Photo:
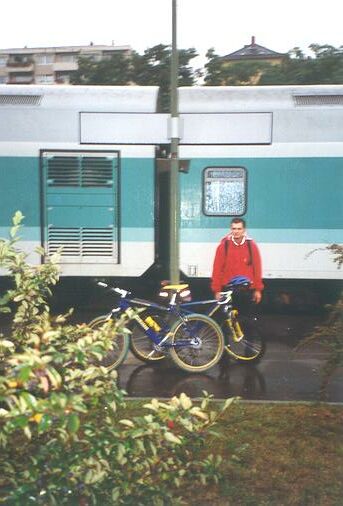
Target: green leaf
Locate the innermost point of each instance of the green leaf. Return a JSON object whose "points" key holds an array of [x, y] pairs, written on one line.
{"points": [[17, 218], [73, 423], [128, 423], [27, 432], [5, 310], [115, 495], [171, 438], [229, 401], [45, 423], [30, 400], [24, 373]]}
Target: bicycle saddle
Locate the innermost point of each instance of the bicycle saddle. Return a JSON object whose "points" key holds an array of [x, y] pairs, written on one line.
{"points": [[177, 288], [181, 291]]}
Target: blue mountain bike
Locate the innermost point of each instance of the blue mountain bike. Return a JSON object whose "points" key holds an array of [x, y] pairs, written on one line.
{"points": [[193, 341], [244, 341]]}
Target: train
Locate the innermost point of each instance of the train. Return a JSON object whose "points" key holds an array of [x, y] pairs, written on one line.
{"points": [[88, 166]]}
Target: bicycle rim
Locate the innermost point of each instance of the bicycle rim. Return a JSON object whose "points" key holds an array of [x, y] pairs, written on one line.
{"points": [[142, 347], [203, 356], [120, 346], [250, 348]]}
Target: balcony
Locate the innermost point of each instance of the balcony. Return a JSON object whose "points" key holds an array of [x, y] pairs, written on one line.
{"points": [[28, 79], [20, 64]]}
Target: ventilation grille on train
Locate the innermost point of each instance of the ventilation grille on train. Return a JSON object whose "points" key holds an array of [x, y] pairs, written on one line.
{"points": [[81, 242], [20, 99], [318, 99], [80, 171]]}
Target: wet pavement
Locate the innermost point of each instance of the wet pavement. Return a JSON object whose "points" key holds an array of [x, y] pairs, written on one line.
{"points": [[282, 375]]}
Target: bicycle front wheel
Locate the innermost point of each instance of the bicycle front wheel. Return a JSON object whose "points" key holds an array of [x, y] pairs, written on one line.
{"points": [[248, 345], [197, 343], [120, 346]]}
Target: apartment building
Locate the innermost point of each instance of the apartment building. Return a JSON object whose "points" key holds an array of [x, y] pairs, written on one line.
{"points": [[49, 65]]}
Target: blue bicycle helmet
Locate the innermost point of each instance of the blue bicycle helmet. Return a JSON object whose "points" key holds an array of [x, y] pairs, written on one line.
{"points": [[239, 281]]}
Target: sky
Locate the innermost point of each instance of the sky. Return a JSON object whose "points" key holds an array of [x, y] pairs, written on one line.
{"points": [[222, 24]]}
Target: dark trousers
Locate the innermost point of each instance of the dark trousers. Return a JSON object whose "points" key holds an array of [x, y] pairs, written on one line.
{"points": [[243, 301]]}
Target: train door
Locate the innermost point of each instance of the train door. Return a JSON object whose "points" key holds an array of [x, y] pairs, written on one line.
{"points": [[80, 208], [163, 223]]}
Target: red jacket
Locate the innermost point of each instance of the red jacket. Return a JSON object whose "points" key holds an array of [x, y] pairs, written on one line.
{"points": [[234, 260]]}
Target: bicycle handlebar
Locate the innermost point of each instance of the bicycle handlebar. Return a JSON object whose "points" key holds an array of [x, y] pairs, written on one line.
{"points": [[123, 293], [227, 296]]}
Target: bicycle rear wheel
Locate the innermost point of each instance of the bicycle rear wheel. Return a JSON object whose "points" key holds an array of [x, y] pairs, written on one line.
{"points": [[197, 343], [120, 346], [250, 346], [142, 347]]}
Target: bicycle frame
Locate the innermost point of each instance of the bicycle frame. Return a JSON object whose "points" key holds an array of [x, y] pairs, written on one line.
{"points": [[226, 305], [130, 307]]}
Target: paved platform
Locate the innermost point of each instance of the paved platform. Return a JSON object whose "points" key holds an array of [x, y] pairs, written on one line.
{"points": [[283, 374]]}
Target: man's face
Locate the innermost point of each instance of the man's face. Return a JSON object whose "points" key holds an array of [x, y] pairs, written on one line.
{"points": [[237, 231]]}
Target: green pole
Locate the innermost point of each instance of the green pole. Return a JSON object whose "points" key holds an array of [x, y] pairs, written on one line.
{"points": [[174, 167]]}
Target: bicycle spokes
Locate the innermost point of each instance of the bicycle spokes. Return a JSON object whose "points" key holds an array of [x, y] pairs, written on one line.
{"points": [[243, 342], [197, 343]]}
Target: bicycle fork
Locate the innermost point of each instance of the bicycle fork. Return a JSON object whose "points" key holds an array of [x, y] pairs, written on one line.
{"points": [[151, 329], [235, 328]]}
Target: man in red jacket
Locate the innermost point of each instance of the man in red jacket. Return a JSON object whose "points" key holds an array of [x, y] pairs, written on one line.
{"points": [[237, 255]]}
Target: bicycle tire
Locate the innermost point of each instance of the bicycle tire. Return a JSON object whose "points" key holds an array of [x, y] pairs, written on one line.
{"points": [[142, 347], [115, 357], [209, 350], [250, 348]]}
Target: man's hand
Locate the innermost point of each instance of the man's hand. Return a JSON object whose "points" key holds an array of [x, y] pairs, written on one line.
{"points": [[218, 295], [257, 296]]}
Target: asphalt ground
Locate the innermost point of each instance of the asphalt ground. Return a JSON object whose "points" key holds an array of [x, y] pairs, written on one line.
{"points": [[282, 375]]}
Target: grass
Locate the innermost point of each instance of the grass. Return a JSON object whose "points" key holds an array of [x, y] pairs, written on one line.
{"points": [[275, 454]]}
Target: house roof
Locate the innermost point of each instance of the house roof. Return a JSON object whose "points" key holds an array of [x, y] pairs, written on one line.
{"points": [[252, 51]]}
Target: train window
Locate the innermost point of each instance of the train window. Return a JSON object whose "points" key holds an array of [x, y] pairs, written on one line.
{"points": [[224, 191]]}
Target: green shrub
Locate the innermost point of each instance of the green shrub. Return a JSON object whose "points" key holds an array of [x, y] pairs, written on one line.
{"points": [[64, 436], [330, 333]]}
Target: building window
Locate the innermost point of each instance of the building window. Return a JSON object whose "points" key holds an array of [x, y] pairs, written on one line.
{"points": [[44, 59], [45, 79], [17, 60], [66, 58], [3, 79], [224, 191], [3, 61]]}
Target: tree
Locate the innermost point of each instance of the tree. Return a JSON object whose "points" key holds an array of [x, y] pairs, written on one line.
{"points": [[324, 66], [213, 69], [152, 68], [117, 70]]}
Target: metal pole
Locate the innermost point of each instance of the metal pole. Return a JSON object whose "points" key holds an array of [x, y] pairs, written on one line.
{"points": [[174, 167]]}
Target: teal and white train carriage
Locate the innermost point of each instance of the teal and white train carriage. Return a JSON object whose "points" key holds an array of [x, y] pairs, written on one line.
{"points": [[273, 155], [81, 165]]}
